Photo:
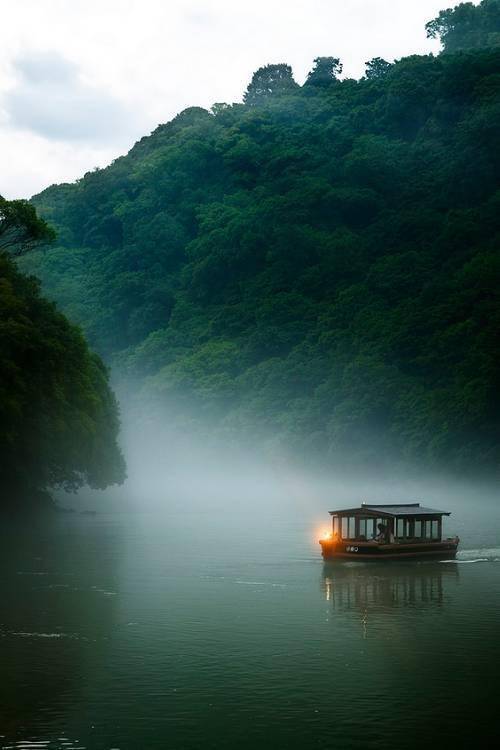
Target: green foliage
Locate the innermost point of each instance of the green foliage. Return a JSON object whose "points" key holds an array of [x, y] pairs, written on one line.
{"points": [[467, 26], [21, 229], [325, 71], [58, 417], [318, 273], [271, 80], [377, 68]]}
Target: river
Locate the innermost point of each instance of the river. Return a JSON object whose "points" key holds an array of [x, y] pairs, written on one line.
{"points": [[222, 628]]}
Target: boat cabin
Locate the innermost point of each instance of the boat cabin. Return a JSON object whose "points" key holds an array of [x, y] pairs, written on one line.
{"points": [[387, 530], [404, 522]]}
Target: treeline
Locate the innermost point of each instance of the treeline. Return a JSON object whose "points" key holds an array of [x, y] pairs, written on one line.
{"points": [[58, 417], [315, 269]]}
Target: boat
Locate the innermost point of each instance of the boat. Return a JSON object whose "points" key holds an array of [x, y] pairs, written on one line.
{"points": [[388, 532]]}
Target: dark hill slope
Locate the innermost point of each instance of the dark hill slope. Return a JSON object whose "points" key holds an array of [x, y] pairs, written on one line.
{"points": [[58, 418], [318, 267]]}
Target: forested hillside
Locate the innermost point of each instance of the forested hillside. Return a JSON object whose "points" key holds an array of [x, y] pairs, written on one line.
{"points": [[316, 268], [58, 417]]}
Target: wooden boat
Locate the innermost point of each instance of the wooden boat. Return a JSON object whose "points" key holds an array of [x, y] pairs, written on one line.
{"points": [[387, 532]]}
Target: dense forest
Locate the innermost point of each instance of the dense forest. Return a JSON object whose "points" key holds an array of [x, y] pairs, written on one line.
{"points": [[58, 417], [315, 269]]}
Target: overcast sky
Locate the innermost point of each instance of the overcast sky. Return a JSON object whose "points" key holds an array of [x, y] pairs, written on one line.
{"points": [[82, 80]]}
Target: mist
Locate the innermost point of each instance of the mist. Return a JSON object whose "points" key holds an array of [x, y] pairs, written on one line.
{"points": [[176, 472]]}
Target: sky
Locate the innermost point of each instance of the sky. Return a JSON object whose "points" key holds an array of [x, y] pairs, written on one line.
{"points": [[82, 80]]}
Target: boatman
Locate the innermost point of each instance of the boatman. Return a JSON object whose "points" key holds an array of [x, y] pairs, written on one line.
{"points": [[382, 531]]}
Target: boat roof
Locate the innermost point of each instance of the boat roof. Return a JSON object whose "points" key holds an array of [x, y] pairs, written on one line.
{"points": [[399, 509]]}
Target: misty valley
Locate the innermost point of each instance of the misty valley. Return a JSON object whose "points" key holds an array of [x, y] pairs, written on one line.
{"points": [[264, 312]]}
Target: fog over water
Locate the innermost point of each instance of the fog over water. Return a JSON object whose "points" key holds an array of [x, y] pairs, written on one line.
{"points": [[193, 609], [174, 471]]}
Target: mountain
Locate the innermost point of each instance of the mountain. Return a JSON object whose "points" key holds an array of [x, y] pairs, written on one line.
{"points": [[314, 270]]}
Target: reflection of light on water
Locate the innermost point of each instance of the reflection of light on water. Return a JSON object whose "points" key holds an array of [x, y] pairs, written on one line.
{"points": [[328, 589], [364, 622]]}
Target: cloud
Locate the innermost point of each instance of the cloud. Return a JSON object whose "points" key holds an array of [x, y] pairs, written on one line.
{"points": [[52, 101], [31, 163]]}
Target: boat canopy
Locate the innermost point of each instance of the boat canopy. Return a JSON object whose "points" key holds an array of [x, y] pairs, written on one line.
{"points": [[412, 510]]}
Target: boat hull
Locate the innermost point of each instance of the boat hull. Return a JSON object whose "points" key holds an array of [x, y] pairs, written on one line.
{"points": [[352, 550]]}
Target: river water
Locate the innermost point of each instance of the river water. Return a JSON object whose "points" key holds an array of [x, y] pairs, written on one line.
{"points": [[223, 629]]}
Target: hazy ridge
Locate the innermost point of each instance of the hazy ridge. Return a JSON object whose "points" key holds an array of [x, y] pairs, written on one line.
{"points": [[314, 271]]}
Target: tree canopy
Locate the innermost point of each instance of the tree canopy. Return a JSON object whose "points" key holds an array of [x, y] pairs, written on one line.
{"points": [[467, 26], [377, 67], [270, 80], [317, 274], [58, 417], [21, 229], [325, 70]]}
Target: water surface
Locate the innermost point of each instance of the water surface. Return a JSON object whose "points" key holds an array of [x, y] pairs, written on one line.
{"points": [[194, 629]]}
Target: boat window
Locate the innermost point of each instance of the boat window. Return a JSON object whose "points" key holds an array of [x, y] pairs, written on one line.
{"points": [[362, 527], [348, 528], [435, 530], [400, 528], [426, 529], [418, 529], [345, 527], [336, 525], [352, 527]]}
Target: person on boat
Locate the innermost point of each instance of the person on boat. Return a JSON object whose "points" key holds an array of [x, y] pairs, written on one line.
{"points": [[381, 536]]}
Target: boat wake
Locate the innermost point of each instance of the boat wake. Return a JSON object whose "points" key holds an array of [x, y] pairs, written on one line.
{"points": [[465, 562], [469, 556]]}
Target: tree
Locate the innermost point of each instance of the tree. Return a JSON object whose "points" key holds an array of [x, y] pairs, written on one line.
{"points": [[219, 107], [325, 71], [467, 26], [377, 68], [21, 229], [58, 417], [270, 80]]}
